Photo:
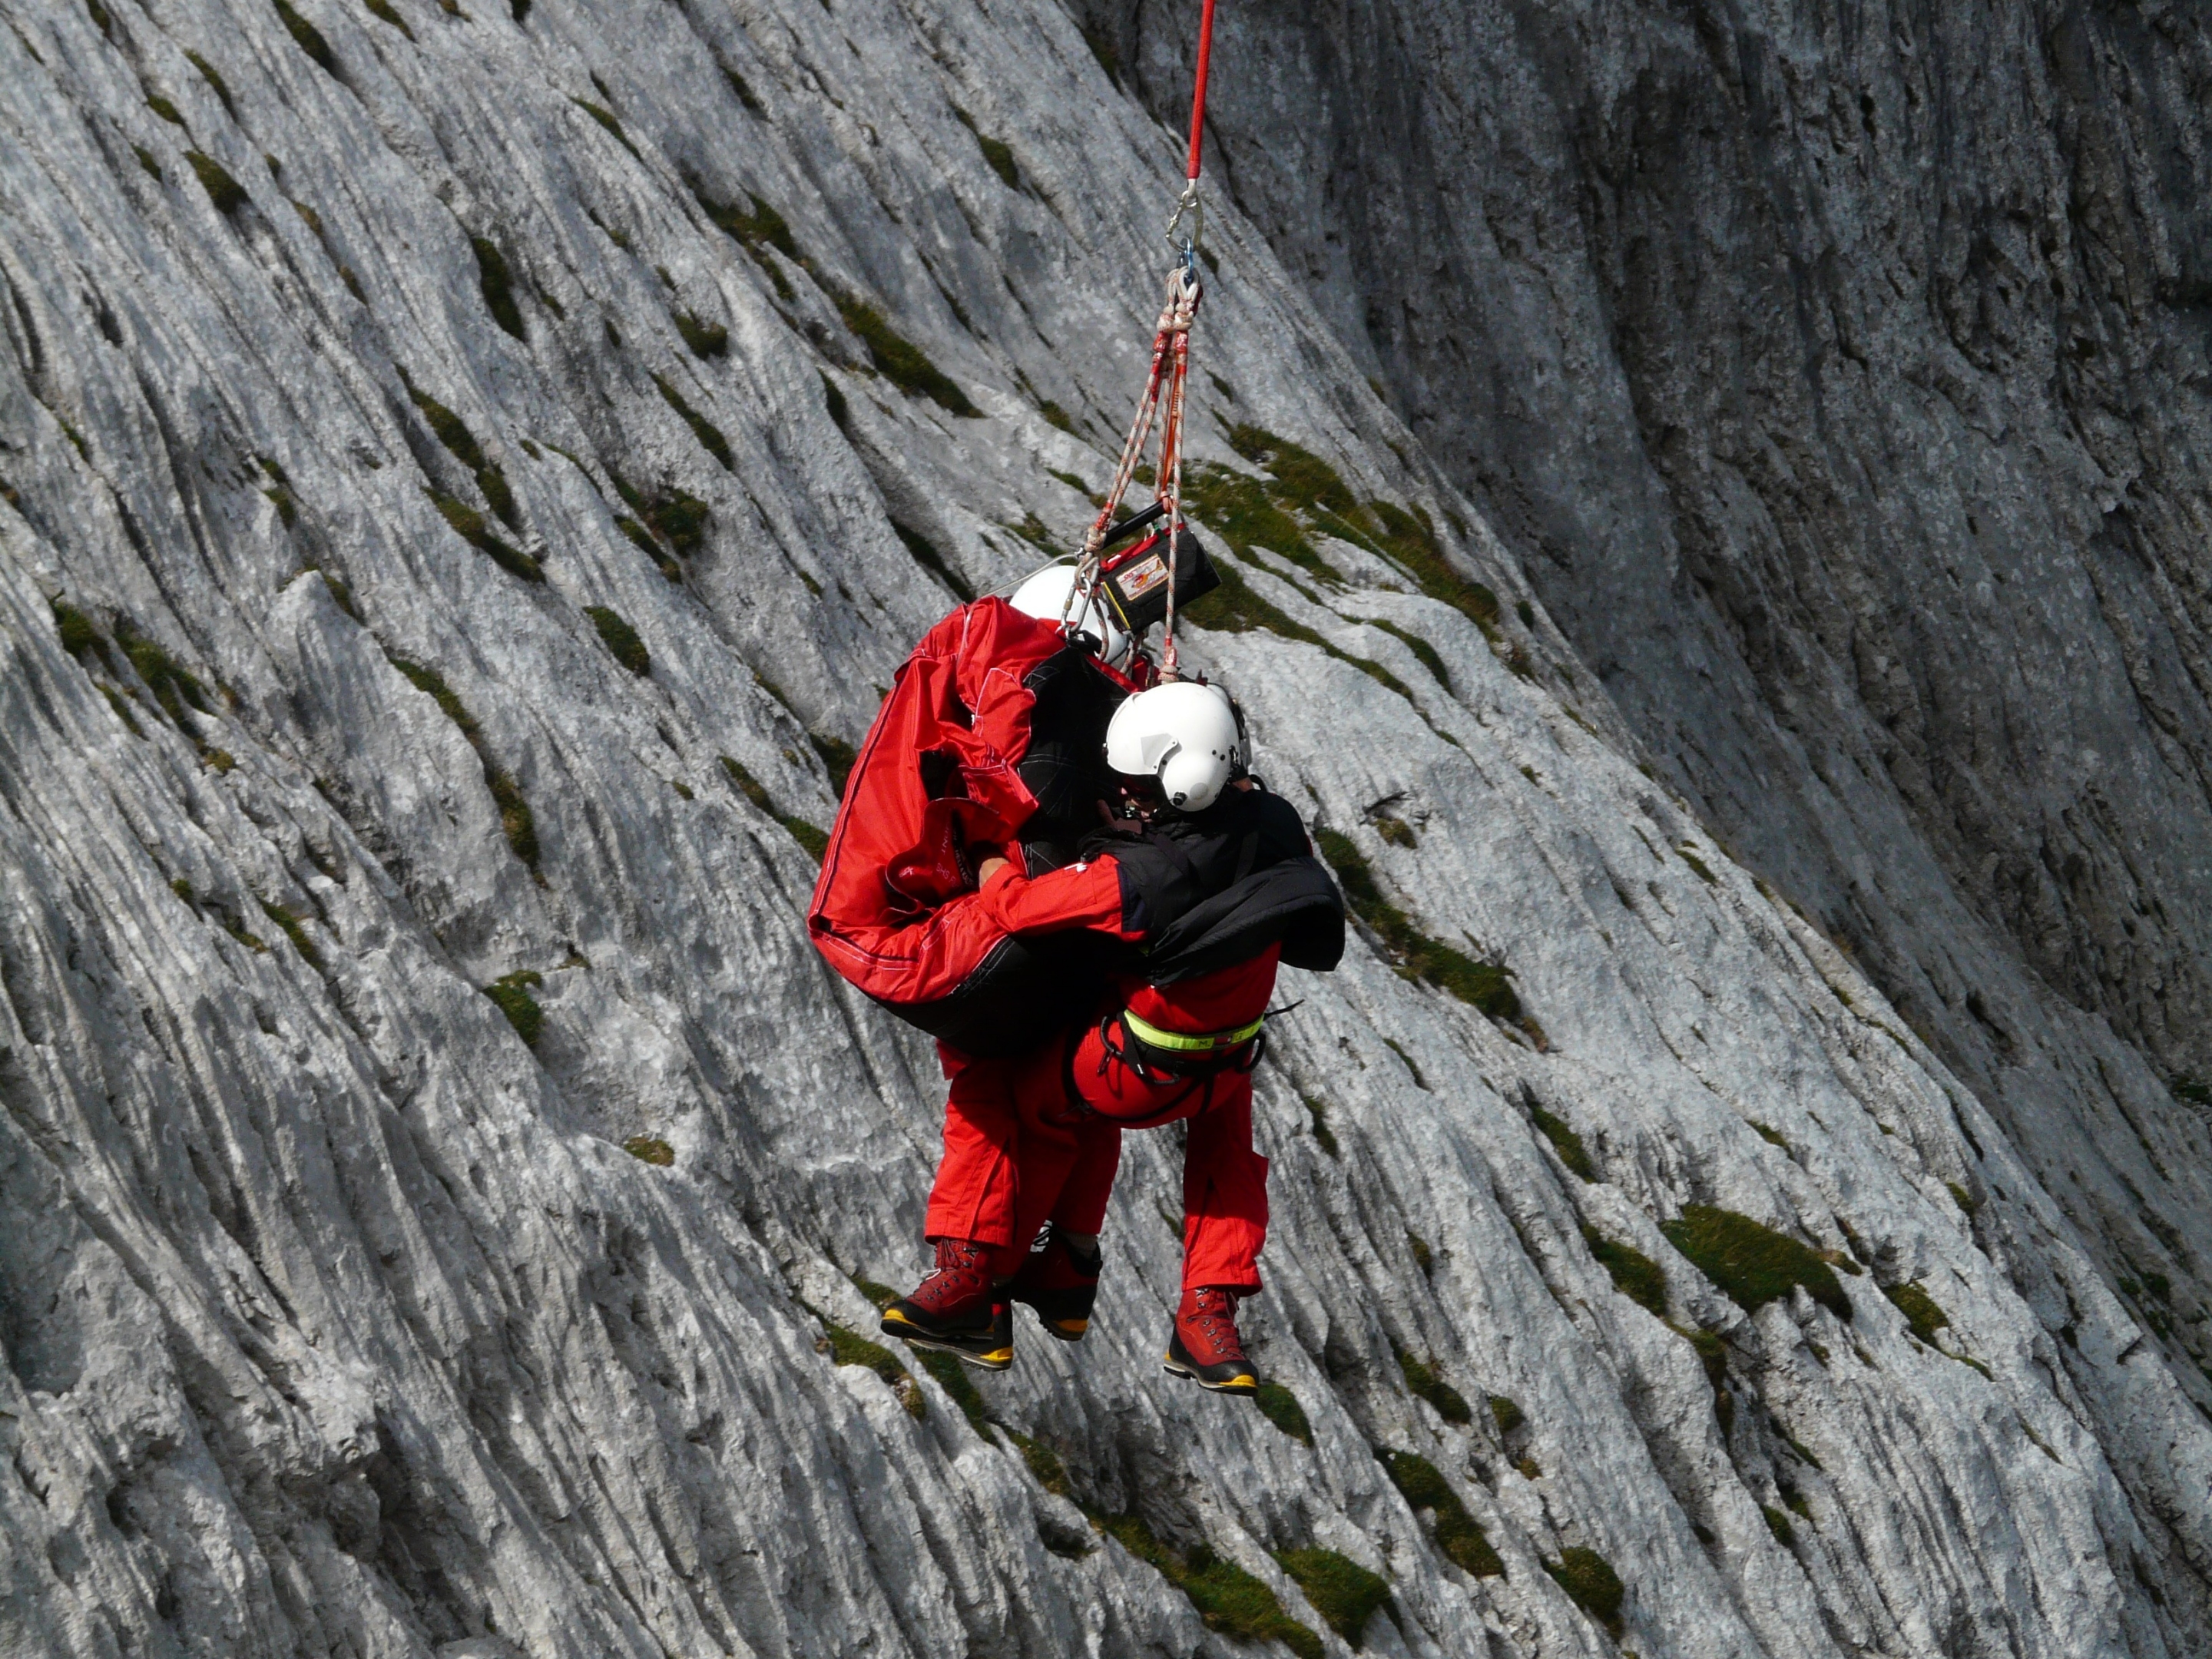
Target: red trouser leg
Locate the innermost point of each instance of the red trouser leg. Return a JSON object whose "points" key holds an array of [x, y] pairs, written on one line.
{"points": [[1225, 1192], [1224, 1181], [1016, 1153], [973, 1196]]}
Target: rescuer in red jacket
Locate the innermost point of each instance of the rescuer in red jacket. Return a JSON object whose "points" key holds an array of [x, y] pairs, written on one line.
{"points": [[1215, 876]]}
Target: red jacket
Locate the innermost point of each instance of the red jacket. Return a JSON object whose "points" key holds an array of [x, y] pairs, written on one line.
{"points": [[894, 911]]}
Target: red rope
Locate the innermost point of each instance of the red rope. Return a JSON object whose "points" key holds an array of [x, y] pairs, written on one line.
{"points": [[1198, 91]]}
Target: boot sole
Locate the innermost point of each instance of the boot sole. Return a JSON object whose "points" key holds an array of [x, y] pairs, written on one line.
{"points": [[1067, 1330], [983, 1359], [1242, 1385]]}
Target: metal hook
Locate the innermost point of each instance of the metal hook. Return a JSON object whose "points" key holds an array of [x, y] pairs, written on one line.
{"points": [[1188, 204]]}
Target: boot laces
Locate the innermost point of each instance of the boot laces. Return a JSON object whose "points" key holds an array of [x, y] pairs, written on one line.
{"points": [[1214, 1319]]}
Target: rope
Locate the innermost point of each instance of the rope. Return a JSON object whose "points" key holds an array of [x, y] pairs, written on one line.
{"points": [[1170, 366]]}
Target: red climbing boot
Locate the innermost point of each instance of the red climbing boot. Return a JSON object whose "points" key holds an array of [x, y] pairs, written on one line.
{"points": [[1206, 1347], [958, 1308], [1059, 1285]]}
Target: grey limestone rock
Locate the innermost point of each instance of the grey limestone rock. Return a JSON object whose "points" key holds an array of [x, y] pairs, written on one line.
{"points": [[362, 362]]}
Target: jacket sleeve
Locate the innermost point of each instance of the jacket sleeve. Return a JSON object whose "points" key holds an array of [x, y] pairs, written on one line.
{"points": [[990, 682], [1087, 896]]}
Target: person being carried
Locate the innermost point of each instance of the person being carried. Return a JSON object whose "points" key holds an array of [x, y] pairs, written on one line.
{"points": [[1217, 884]]}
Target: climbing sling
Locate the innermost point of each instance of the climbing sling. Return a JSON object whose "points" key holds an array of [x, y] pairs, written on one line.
{"points": [[1149, 581]]}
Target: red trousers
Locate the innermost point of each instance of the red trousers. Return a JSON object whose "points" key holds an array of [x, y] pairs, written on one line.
{"points": [[1039, 1138]]}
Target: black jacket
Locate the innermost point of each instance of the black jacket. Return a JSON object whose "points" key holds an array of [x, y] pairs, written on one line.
{"points": [[1215, 888]]}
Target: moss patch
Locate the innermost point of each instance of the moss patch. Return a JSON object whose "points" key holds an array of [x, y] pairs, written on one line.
{"points": [[706, 339], [679, 519], [1506, 1413], [510, 993], [1228, 1598], [1424, 1258], [173, 686], [497, 284], [225, 192], [838, 755], [606, 119], [952, 1376], [709, 435], [620, 639], [1920, 1309], [1778, 1524], [288, 922], [1423, 651], [221, 88], [516, 820], [470, 526], [79, 634], [1342, 1592], [758, 231], [1323, 1136], [1753, 1264], [926, 556], [383, 11], [1422, 1381], [1482, 985], [1458, 1535], [1565, 1141], [451, 430], [808, 835], [849, 1348], [1280, 1406], [650, 1149], [901, 362], [1635, 1274], [995, 153], [1591, 1584], [308, 37]]}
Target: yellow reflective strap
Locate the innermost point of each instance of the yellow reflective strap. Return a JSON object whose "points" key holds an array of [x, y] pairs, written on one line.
{"points": [[1182, 1042]]}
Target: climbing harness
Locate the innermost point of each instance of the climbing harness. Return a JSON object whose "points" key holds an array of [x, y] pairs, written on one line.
{"points": [[1157, 561], [1155, 1053]]}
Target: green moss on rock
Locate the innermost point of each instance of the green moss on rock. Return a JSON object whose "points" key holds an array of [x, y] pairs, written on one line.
{"points": [[620, 639], [1565, 1141], [1344, 1593], [901, 362], [225, 192], [1280, 1406], [1458, 1535], [1635, 1274], [1422, 1382], [705, 430], [1591, 1584], [288, 922], [1482, 985], [1751, 1263], [306, 37], [496, 283], [1228, 1599], [173, 686], [650, 1149], [1920, 1309], [470, 526], [510, 994], [808, 835], [706, 339]]}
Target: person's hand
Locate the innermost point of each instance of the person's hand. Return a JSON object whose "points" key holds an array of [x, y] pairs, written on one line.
{"points": [[989, 868]]}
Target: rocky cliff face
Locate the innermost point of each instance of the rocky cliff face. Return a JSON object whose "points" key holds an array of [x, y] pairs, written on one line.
{"points": [[468, 473]]}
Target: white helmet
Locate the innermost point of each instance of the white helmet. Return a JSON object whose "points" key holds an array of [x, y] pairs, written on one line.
{"points": [[1046, 596], [1181, 733]]}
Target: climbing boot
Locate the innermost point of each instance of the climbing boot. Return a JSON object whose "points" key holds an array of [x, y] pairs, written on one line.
{"points": [[1205, 1346], [957, 1309], [1059, 1285]]}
